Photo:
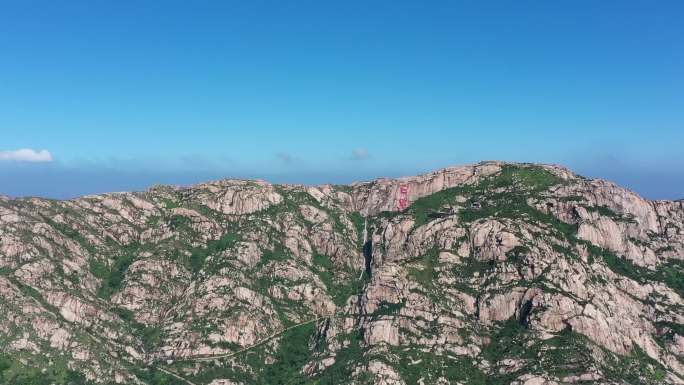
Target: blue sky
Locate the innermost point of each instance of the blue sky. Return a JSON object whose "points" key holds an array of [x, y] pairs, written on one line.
{"points": [[125, 94]]}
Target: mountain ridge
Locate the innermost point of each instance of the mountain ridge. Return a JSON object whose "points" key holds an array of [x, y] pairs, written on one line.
{"points": [[353, 183], [161, 281]]}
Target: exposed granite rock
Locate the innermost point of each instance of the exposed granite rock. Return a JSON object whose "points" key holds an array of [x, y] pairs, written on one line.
{"points": [[495, 273]]}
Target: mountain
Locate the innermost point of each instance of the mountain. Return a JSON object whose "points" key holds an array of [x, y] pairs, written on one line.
{"points": [[494, 273]]}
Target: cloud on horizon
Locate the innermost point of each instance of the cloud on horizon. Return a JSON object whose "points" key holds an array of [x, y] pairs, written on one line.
{"points": [[26, 155], [360, 154], [285, 158]]}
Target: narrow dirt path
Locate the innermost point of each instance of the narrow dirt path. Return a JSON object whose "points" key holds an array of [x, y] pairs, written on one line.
{"points": [[176, 375], [276, 334], [261, 342]]}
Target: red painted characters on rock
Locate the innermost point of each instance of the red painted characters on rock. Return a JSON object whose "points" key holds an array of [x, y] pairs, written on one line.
{"points": [[403, 197]]}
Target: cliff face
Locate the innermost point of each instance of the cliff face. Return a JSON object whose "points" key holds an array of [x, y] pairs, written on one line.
{"points": [[494, 274]]}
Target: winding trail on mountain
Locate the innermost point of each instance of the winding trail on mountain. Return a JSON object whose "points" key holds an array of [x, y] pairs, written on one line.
{"points": [[176, 375], [263, 341]]}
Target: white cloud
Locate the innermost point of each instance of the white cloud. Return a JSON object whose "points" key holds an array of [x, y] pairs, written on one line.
{"points": [[26, 155], [285, 157], [359, 154]]}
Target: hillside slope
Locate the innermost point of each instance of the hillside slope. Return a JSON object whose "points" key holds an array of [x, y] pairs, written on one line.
{"points": [[495, 273]]}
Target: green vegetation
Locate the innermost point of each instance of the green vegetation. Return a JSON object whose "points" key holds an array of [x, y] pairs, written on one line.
{"points": [[426, 275], [517, 255], [98, 268], [322, 266], [562, 355], [124, 314], [15, 372], [113, 277], [153, 221], [341, 293], [667, 331], [469, 266], [530, 177], [503, 195], [293, 350], [565, 354], [35, 294], [635, 369], [358, 222], [199, 254], [415, 364], [607, 212], [74, 278], [153, 376], [170, 204], [71, 233], [670, 273], [467, 269], [292, 199], [388, 309], [673, 328], [421, 208], [507, 342], [513, 205], [150, 336], [179, 222], [322, 261], [279, 253], [603, 211], [341, 289], [346, 359]]}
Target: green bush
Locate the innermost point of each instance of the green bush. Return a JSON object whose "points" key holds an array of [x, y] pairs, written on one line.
{"points": [[503, 195], [114, 277], [339, 289], [670, 273], [14, 372], [199, 255]]}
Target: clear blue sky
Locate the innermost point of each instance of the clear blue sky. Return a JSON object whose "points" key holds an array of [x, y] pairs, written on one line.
{"points": [[124, 94]]}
